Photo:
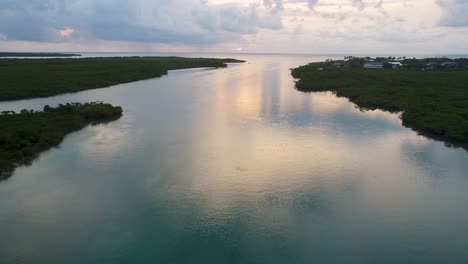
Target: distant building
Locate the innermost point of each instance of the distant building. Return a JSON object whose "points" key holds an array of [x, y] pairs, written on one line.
{"points": [[373, 65], [396, 64], [449, 64], [431, 66], [338, 64]]}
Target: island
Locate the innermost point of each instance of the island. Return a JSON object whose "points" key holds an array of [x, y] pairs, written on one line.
{"points": [[30, 78], [24, 135], [36, 54], [431, 94]]}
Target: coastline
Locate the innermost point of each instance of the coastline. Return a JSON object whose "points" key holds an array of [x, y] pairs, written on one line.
{"points": [[26, 134], [434, 105], [33, 78]]}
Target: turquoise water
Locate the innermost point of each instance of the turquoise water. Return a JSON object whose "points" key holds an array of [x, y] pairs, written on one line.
{"points": [[236, 166]]}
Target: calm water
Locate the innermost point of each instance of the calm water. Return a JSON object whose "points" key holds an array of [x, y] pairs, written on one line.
{"points": [[236, 166]]}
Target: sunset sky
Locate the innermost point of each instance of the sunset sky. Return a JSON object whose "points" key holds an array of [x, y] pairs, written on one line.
{"points": [[270, 26]]}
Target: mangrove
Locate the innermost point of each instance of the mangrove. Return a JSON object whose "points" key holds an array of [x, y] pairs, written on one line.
{"points": [[29, 78], [433, 102], [27, 133]]}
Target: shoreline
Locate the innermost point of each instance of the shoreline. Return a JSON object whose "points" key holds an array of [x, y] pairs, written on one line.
{"points": [[36, 78], [25, 135], [433, 105]]}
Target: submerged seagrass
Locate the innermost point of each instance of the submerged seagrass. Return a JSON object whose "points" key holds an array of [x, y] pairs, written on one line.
{"points": [[24, 135], [434, 103], [29, 78]]}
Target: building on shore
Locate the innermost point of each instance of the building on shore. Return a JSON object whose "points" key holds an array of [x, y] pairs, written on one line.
{"points": [[339, 64], [431, 66], [449, 65], [373, 65], [396, 64]]}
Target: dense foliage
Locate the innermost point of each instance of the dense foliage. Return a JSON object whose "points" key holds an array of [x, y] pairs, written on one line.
{"points": [[24, 135], [434, 103], [28, 78]]}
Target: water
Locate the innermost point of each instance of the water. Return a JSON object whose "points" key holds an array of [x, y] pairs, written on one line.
{"points": [[236, 166]]}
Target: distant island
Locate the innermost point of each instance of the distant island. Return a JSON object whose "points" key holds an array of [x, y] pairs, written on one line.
{"points": [[24, 135], [432, 93], [30, 78], [36, 54]]}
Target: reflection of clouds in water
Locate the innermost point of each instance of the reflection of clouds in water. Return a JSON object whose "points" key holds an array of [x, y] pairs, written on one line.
{"points": [[231, 166], [248, 102], [266, 91], [247, 150], [261, 154], [251, 96], [247, 96], [235, 172], [109, 141], [430, 157], [326, 103]]}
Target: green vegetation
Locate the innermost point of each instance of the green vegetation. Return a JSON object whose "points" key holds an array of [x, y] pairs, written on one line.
{"points": [[36, 54], [434, 103], [24, 135], [29, 78]]}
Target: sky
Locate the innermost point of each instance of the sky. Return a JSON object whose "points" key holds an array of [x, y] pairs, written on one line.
{"points": [[254, 26]]}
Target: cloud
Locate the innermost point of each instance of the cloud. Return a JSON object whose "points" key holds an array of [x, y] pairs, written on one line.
{"points": [[310, 3], [455, 13], [176, 21], [225, 25], [276, 4], [66, 32], [359, 4]]}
